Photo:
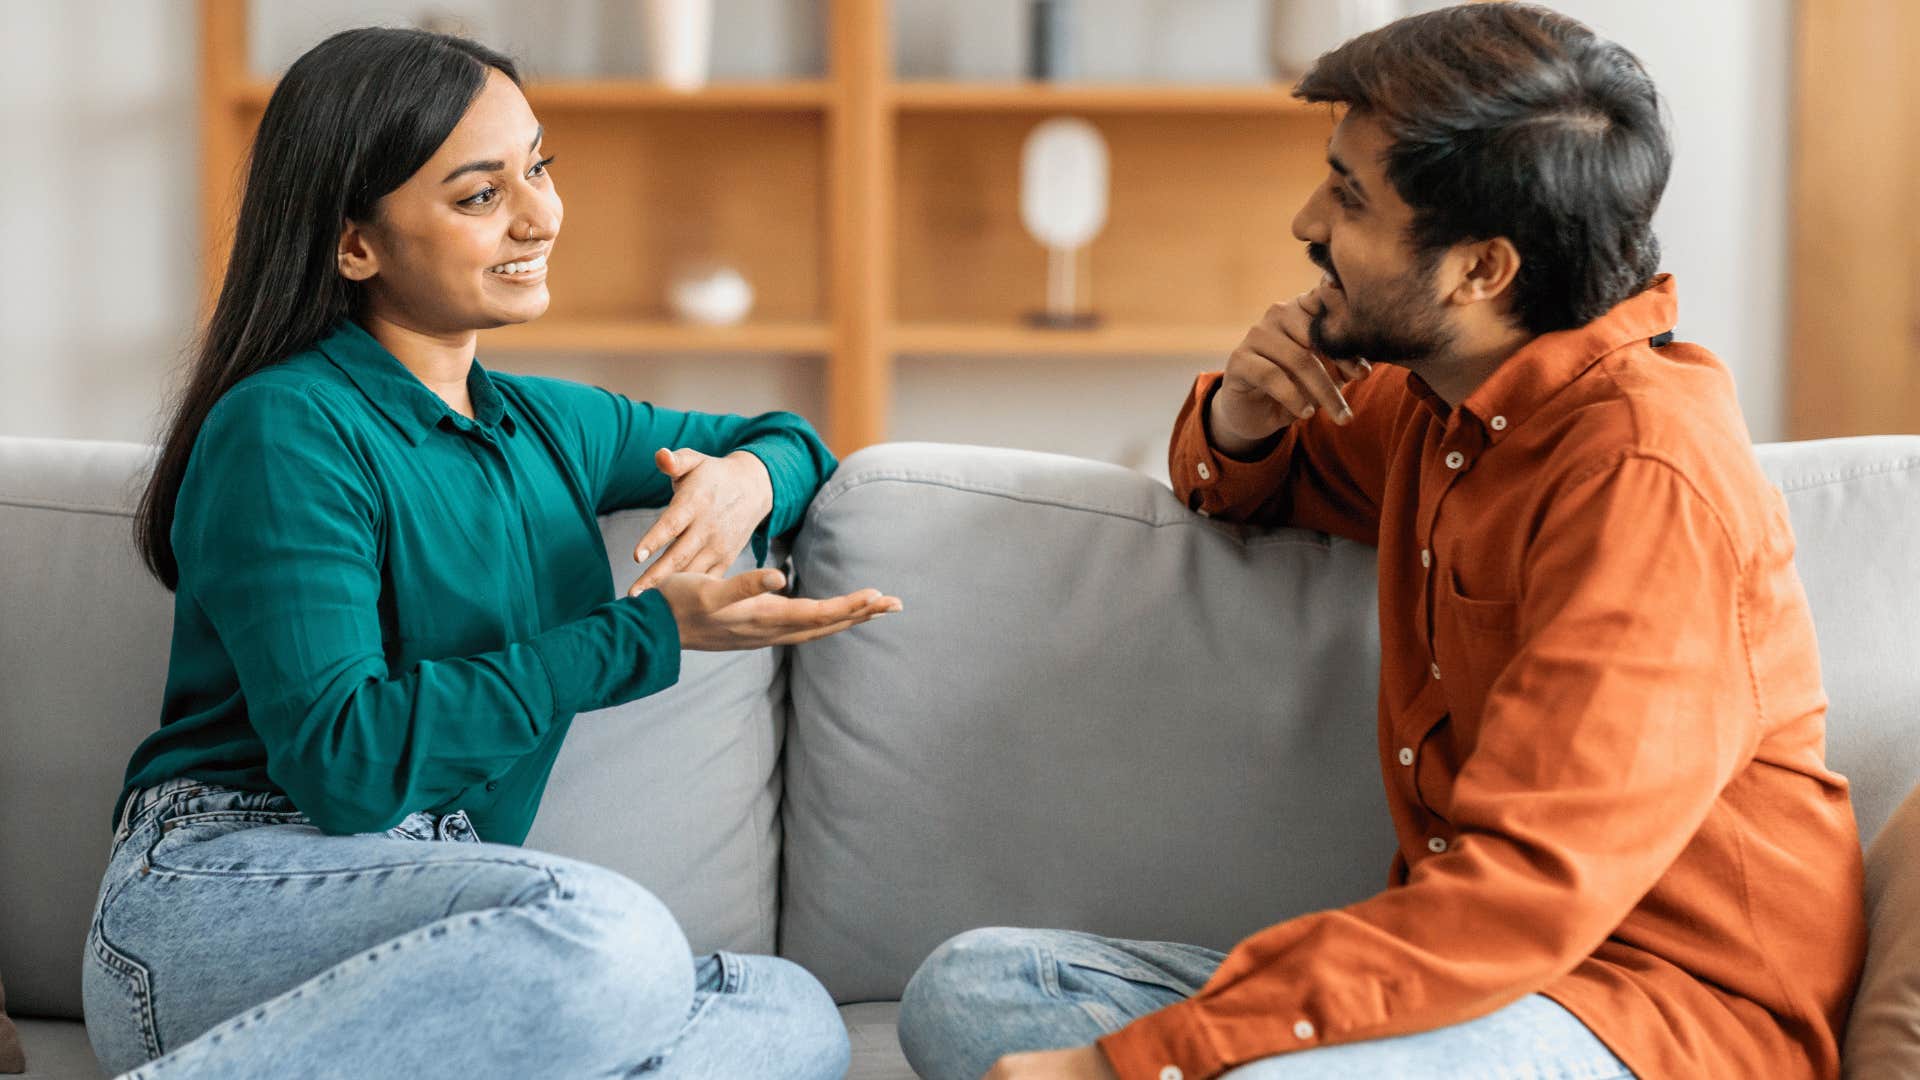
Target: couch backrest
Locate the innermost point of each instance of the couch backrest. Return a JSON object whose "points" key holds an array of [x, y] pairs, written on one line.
{"points": [[1103, 712], [678, 791]]}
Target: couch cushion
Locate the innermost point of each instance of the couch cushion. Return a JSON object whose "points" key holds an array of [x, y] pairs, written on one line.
{"points": [[1101, 711], [58, 1050], [874, 1029], [677, 790], [83, 661], [1855, 505], [680, 791], [1097, 710]]}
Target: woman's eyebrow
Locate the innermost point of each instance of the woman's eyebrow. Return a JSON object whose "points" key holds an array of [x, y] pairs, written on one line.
{"points": [[492, 164]]}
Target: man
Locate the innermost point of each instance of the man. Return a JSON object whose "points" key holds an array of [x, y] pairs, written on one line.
{"points": [[1601, 721]]}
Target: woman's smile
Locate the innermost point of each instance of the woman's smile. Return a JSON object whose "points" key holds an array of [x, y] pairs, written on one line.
{"points": [[526, 272]]}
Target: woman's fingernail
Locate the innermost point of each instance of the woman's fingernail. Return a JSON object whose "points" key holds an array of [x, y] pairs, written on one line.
{"points": [[641, 555], [1307, 413]]}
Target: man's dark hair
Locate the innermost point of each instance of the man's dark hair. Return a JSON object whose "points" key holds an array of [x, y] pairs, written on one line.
{"points": [[1512, 120]]}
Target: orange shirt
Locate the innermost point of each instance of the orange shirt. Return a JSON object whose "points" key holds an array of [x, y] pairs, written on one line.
{"points": [[1601, 723]]}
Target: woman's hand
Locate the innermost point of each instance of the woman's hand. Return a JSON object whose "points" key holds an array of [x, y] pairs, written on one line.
{"points": [[717, 504], [747, 612]]}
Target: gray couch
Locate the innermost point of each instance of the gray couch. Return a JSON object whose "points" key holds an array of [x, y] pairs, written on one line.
{"points": [[1098, 711]]}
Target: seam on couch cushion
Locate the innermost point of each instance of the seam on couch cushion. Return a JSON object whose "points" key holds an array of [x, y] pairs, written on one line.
{"points": [[864, 479], [1826, 479], [77, 508]]}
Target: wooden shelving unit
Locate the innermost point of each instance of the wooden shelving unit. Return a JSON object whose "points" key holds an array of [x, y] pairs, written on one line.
{"points": [[877, 218], [1094, 98]]}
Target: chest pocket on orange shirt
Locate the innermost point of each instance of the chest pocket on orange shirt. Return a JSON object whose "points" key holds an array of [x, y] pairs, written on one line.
{"points": [[1473, 641]]}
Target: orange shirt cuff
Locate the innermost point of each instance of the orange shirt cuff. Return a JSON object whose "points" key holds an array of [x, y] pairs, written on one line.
{"points": [[1221, 483], [1170, 1044]]}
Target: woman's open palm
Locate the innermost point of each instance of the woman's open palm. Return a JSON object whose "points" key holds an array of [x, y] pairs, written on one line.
{"points": [[747, 611]]}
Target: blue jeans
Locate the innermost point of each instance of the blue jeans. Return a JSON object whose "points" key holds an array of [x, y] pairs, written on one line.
{"points": [[233, 939], [999, 991]]}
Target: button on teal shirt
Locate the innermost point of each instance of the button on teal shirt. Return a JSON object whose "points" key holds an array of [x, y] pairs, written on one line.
{"points": [[386, 607]]}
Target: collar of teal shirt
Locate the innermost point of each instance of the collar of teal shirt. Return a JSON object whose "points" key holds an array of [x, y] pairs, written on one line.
{"points": [[400, 395]]}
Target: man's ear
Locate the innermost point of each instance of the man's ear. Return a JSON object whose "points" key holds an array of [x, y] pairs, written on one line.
{"points": [[1488, 271], [356, 258]]}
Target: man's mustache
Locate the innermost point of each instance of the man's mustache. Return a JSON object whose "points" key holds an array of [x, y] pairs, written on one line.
{"points": [[1318, 255]]}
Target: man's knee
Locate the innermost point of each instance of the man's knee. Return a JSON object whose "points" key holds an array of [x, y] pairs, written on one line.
{"points": [[949, 1007]]}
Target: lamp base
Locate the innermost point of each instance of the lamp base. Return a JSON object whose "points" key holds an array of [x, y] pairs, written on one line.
{"points": [[1063, 320]]}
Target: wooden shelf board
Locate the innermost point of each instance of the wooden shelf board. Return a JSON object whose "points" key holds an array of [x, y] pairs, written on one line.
{"points": [[1016, 339], [1145, 98], [794, 96], [655, 336]]}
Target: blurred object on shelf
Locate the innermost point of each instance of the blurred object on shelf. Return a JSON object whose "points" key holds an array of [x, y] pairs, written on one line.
{"points": [[1050, 43], [710, 294], [1063, 204], [680, 41], [468, 24], [1301, 30]]}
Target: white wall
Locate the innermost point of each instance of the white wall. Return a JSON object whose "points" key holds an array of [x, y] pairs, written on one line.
{"points": [[99, 211], [1725, 68]]}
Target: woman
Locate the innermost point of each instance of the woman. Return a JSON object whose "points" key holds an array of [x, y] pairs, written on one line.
{"points": [[391, 600]]}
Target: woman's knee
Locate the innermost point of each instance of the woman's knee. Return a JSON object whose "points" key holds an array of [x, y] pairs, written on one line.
{"points": [[809, 1021], [612, 939]]}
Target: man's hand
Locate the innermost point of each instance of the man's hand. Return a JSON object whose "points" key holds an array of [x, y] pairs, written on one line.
{"points": [[1080, 1063], [747, 611], [1274, 378], [717, 504]]}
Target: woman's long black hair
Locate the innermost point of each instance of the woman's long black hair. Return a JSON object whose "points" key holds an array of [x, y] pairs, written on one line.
{"points": [[350, 121]]}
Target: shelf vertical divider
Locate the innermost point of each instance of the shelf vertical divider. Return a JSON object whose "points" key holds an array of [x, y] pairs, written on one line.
{"points": [[860, 245], [223, 137]]}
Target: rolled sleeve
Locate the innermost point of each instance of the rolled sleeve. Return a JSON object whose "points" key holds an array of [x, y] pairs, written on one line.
{"points": [[1318, 475]]}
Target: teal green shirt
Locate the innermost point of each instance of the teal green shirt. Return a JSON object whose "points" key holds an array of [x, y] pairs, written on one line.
{"points": [[387, 607]]}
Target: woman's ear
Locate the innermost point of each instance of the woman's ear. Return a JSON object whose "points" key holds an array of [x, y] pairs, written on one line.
{"points": [[1491, 266], [356, 258]]}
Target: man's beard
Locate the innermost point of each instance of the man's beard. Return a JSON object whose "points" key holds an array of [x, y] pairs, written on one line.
{"points": [[1400, 323]]}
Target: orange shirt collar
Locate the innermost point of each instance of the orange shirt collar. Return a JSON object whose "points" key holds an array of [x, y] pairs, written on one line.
{"points": [[1549, 363]]}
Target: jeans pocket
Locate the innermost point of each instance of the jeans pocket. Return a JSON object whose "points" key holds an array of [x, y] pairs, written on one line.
{"points": [[175, 833], [117, 996], [415, 826]]}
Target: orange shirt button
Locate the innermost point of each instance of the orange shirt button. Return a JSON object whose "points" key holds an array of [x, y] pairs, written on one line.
{"points": [[1172, 1072], [1303, 1030], [1205, 473], [1456, 459], [1406, 755], [1436, 845]]}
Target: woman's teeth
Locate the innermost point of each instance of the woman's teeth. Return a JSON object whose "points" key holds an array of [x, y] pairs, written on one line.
{"points": [[518, 267]]}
